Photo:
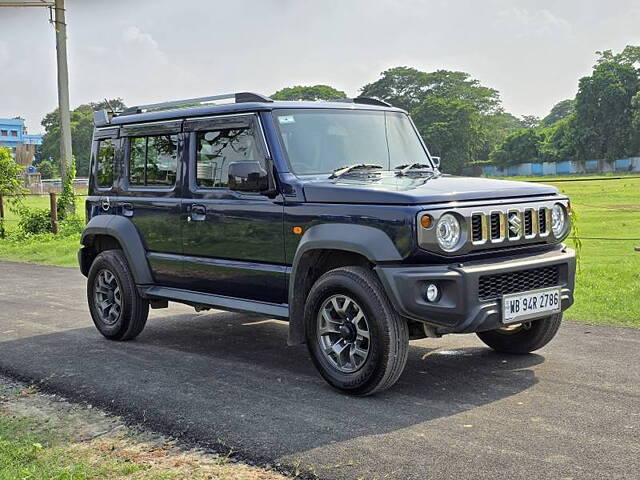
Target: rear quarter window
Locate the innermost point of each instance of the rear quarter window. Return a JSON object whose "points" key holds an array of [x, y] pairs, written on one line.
{"points": [[105, 163]]}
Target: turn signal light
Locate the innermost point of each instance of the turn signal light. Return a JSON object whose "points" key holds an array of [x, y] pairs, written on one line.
{"points": [[297, 230], [426, 221]]}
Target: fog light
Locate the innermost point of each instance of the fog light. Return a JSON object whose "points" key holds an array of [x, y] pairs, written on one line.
{"points": [[432, 292]]}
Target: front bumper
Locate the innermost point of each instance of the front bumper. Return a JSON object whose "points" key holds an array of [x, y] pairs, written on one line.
{"points": [[459, 308]]}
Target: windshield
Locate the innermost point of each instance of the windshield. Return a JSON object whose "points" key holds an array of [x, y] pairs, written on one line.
{"points": [[321, 141]]}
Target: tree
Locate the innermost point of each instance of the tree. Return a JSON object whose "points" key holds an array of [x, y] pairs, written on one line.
{"points": [[47, 169], [629, 56], [10, 179], [494, 129], [635, 123], [81, 133], [450, 128], [560, 141], [530, 121], [311, 93], [559, 111], [406, 87], [402, 87], [604, 116], [520, 146]]}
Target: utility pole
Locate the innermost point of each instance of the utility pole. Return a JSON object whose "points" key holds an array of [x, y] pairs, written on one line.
{"points": [[57, 18], [63, 87]]}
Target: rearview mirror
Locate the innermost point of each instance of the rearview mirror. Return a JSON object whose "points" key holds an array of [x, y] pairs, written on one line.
{"points": [[248, 177], [436, 161]]}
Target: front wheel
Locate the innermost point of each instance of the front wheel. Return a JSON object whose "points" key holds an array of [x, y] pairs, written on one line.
{"points": [[356, 340], [523, 338], [117, 309]]}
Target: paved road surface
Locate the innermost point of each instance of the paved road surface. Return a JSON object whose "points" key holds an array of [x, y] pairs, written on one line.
{"points": [[459, 410]]}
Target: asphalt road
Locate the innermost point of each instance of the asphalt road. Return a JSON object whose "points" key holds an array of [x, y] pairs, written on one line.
{"points": [[225, 380]]}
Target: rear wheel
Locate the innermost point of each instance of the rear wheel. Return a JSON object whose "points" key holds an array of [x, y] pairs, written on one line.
{"points": [[118, 311], [356, 340], [522, 338]]}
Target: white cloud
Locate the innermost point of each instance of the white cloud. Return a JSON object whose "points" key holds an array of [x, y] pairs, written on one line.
{"points": [[133, 34], [537, 23]]}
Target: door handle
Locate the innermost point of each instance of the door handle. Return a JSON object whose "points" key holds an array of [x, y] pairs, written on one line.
{"points": [[198, 213], [127, 209]]}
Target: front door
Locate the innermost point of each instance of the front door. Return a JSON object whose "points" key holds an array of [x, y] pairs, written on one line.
{"points": [[233, 242]]}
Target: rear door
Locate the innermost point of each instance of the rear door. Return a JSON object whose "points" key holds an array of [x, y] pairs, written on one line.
{"points": [[150, 193], [233, 241]]}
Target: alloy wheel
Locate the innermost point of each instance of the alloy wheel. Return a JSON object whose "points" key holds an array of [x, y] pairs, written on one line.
{"points": [[108, 297], [343, 333]]}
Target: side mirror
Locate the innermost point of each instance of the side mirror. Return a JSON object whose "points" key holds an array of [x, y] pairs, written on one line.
{"points": [[248, 177], [436, 162]]}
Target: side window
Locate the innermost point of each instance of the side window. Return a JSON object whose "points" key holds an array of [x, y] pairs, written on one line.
{"points": [[106, 162], [153, 161], [137, 153], [216, 149]]}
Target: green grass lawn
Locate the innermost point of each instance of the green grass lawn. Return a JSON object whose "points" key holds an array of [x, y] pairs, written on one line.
{"points": [[608, 283], [46, 248]]}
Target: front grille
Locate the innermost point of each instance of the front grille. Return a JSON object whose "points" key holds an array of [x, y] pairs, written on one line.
{"points": [[494, 286], [518, 223]]}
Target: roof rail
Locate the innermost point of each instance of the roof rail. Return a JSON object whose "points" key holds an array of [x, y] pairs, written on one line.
{"points": [[240, 97], [364, 101], [102, 118]]}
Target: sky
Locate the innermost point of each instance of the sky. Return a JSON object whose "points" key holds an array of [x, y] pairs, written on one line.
{"points": [[533, 52]]}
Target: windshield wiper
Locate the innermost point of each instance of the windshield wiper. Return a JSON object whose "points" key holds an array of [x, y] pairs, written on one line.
{"points": [[339, 172], [418, 168]]}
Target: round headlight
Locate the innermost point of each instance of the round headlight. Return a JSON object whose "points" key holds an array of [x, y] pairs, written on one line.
{"points": [[448, 232], [558, 220]]}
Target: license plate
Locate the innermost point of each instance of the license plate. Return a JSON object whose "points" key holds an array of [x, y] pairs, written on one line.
{"points": [[532, 304]]}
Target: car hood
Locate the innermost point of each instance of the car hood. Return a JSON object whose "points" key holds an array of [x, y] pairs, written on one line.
{"points": [[389, 188]]}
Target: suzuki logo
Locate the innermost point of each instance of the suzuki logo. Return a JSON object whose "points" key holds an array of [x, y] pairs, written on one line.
{"points": [[515, 225]]}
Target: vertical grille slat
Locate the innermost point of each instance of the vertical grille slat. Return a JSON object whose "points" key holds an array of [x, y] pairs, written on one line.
{"points": [[542, 220], [528, 222], [495, 226], [476, 227]]}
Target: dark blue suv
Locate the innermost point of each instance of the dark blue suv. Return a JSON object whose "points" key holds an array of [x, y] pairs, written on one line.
{"points": [[333, 216]]}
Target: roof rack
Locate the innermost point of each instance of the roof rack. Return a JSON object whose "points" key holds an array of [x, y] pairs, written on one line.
{"points": [[364, 101], [102, 118]]}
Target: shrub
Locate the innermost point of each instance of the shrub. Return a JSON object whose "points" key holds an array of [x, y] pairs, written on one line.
{"points": [[34, 220], [71, 225]]}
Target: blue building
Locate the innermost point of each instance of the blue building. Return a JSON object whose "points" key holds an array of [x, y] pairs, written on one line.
{"points": [[13, 134]]}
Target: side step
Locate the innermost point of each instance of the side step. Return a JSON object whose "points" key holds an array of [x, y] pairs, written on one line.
{"points": [[274, 310]]}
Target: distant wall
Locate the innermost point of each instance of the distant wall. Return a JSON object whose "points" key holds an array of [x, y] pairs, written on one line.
{"points": [[567, 167]]}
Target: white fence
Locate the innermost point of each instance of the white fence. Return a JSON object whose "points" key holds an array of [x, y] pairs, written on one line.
{"points": [[621, 165]]}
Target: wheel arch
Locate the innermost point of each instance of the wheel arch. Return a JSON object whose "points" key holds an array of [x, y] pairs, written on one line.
{"points": [[105, 232], [325, 247]]}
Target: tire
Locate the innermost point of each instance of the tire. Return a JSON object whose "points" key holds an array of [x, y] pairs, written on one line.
{"points": [[127, 315], [367, 314], [527, 338]]}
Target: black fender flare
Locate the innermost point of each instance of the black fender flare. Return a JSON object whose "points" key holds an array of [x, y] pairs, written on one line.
{"points": [[126, 233], [370, 242]]}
